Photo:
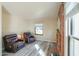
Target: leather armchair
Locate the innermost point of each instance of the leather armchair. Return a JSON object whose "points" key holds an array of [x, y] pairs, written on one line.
{"points": [[29, 38], [12, 44]]}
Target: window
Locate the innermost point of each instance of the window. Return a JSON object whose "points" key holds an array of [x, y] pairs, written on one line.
{"points": [[39, 29], [74, 35], [76, 25]]}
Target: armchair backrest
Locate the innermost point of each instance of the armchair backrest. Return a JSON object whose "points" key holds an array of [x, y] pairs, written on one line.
{"points": [[10, 38]]}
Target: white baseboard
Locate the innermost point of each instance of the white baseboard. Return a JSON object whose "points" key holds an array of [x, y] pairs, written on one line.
{"points": [[48, 40]]}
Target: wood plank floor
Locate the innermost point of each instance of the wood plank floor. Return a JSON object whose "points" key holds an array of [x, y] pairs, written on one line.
{"points": [[37, 48]]}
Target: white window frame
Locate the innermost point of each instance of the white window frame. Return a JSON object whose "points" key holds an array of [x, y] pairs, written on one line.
{"points": [[39, 29]]}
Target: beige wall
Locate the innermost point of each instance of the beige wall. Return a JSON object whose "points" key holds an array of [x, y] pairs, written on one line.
{"points": [[49, 29], [0, 31], [14, 24], [5, 21]]}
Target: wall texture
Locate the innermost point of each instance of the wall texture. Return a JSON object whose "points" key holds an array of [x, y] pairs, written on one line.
{"points": [[0, 30], [62, 29], [60, 46]]}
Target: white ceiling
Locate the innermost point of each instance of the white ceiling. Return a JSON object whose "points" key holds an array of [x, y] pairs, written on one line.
{"points": [[33, 10]]}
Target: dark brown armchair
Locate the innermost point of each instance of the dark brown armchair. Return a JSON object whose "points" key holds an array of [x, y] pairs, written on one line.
{"points": [[12, 44], [29, 38]]}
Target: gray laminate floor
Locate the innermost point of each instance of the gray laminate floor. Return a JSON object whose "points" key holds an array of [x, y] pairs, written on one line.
{"points": [[37, 48]]}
